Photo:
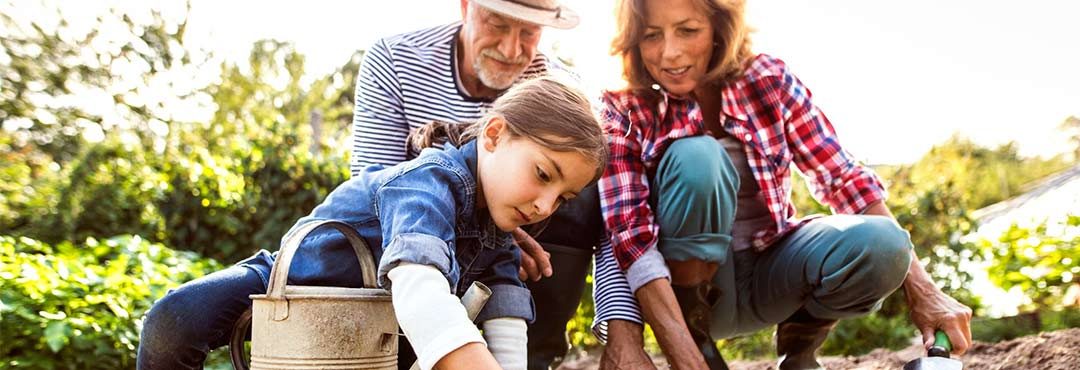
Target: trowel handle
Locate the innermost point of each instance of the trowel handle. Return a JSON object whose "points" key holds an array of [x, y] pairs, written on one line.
{"points": [[942, 347]]}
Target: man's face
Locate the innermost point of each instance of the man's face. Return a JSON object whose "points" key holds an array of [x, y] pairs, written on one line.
{"points": [[496, 47]]}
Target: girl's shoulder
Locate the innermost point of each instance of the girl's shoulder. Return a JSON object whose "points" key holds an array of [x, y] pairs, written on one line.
{"points": [[434, 168]]}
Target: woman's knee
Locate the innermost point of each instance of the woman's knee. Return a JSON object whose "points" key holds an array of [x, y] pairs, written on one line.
{"points": [[885, 250], [699, 165], [869, 261], [890, 243]]}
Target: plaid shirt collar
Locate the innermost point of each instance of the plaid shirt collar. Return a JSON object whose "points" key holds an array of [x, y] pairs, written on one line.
{"points": [[731, 94]]}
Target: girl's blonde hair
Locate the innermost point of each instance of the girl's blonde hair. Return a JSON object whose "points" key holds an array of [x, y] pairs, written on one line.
{"points": [[542, 109], [731, 36]]}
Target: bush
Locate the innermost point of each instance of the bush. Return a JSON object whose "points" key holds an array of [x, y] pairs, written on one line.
{"points": [[1042, 261], [109, 189], [860, 335], [80, 306]]}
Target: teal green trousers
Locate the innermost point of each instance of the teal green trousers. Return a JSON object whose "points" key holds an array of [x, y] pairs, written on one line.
{"points": [[835, 266]]}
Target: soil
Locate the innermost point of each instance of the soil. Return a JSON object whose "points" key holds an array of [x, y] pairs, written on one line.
{"points": [[1059, 350]]}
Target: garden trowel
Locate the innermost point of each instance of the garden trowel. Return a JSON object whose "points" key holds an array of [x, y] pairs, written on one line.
{"points": [[937, 358]]}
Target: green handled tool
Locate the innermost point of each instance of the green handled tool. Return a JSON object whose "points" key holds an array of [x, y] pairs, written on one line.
{"points": [[937, 358]]}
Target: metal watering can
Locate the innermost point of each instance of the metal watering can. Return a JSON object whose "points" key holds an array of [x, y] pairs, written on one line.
{"points": [[311, 327]]}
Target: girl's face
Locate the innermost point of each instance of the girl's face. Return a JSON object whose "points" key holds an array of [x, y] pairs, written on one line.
{"points": [[522, 182], [677, 44]]}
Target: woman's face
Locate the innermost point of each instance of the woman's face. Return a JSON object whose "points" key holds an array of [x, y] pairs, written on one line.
{"points": [[677, 44]]}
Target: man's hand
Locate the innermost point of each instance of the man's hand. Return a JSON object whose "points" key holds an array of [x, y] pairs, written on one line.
{"points": [[535, 261], [625, 349]]}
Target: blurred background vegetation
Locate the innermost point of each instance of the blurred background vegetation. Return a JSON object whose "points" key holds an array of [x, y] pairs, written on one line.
{"points": [[116, 188]]}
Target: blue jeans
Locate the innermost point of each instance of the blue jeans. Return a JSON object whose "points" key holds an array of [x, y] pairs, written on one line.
{"points": [[835, 267], [189, 321]]}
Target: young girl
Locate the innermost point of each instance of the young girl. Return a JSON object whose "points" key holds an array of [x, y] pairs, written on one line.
{"points": [[435, 224]]}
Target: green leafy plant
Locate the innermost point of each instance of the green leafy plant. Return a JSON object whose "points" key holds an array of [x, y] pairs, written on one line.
{"points": [[68, 306]]}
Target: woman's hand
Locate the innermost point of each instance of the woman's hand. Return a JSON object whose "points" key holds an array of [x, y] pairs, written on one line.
{"points": [[661, 311], [625, 349], [535, 261], [931, 310]]}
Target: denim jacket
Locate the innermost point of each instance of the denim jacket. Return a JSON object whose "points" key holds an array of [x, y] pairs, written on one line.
{"points": [[421, 211]]}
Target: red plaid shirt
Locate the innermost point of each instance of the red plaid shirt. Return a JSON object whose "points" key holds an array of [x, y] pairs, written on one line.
{"points": [[770, 112]]}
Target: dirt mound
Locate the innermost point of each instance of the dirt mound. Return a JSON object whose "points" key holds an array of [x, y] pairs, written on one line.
{"points": [[1045, 351], [1059, 350]]}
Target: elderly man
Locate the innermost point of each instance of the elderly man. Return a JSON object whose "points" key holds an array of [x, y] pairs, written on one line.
{"points": [[453, 73]]}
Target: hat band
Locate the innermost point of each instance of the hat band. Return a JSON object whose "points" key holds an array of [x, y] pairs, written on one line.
{"points": [[532, 6]]}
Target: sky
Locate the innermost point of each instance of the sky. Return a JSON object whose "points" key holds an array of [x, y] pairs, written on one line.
{"points": [[894, 78]]}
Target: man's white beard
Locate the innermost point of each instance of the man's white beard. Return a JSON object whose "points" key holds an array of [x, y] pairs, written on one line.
{"points": [[496, 80]]}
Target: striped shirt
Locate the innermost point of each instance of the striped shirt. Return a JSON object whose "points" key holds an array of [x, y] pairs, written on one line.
{"points": [[407, 81]]}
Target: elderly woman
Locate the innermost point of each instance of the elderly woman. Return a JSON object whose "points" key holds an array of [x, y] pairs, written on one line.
{"points": [[697, 201]]}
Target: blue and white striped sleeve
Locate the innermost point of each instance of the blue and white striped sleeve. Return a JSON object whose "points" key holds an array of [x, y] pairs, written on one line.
{"points": [[611, 293], [379, 125]]}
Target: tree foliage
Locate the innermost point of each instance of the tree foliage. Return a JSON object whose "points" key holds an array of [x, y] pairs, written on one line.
{"points": [[69, 77], [239, 181], [224, 184]]}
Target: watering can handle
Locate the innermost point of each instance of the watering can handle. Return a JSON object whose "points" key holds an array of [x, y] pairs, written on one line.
{"points": [[280, 272]]}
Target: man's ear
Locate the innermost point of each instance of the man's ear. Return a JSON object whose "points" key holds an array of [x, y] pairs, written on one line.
{"points": [[464, 9], [492, 131]]}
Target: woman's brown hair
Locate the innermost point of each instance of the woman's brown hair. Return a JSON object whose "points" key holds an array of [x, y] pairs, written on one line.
{"points": [[731, 36]]}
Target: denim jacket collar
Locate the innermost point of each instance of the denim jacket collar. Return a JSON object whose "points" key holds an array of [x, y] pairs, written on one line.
{"points": [[476, 222]]}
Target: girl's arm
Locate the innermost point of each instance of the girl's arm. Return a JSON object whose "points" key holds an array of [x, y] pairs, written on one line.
{"points": [[469, 356], [507, 340], [435, 322]]}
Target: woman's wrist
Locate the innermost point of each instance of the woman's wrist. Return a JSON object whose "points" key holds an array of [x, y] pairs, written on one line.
{"points": [[918, 285], [661, 311]]}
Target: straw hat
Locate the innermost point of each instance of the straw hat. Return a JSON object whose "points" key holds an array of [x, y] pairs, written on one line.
{"points": [[543, 12]]}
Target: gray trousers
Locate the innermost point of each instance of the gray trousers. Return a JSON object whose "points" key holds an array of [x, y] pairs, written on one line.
{"points": [[835, 267]]}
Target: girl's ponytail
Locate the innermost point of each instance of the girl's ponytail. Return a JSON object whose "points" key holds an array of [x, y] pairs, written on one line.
{"points": [[437, 133]]}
